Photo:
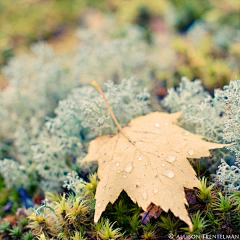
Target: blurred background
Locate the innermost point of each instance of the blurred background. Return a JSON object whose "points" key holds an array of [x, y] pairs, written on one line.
{"points": [[197, 39], [51, 49]]}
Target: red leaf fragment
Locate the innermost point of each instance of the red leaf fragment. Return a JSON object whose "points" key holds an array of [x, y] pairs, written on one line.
{"points": [[190, 196], [152, 211]]}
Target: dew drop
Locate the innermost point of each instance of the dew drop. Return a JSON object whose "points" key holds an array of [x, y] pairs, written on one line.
{"points": [[186, 133], [157, 125], [171, 158], [190, 151], [128, 167], [124, 176], [117, 164], [168, 173], [155, 190], [99, 204], [145, 195], [140, 159]]}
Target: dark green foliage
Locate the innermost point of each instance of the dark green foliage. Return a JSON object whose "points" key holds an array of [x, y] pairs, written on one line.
{"points": [[188, 11], [135, 225], [213, 222], [223, 205], [149, 231], [23, 222], [15, 227], [199, 224], [16, 232], [218, 213], [71, 217], [27, 236], [8, 195], [169, 223], [4, 227]]}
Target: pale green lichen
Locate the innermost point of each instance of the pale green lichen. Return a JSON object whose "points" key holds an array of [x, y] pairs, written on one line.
{"points": [[217, 118], [37, 84]]}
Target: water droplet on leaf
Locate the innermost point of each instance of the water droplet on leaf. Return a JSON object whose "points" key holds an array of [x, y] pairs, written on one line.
{"points": [[145, 195], [128, 167], [190, 151], [168, 173], [170, 158]]}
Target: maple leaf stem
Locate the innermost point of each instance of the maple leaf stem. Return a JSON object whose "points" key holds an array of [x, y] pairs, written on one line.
{"points": [[94, 83]]}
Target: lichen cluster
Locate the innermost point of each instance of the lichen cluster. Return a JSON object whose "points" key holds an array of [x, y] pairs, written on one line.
{"points": [[217, 119]]}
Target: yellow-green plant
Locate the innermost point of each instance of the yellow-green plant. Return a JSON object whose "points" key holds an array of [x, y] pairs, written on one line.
{"points": [[89, 188], [78, 236], [149, 231], [199, 224], [108, 232], [204, 192], [223, 205], [169, 223]]}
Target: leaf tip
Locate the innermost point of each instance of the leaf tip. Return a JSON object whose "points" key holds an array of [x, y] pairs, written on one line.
{"points": [[191, 227]]}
